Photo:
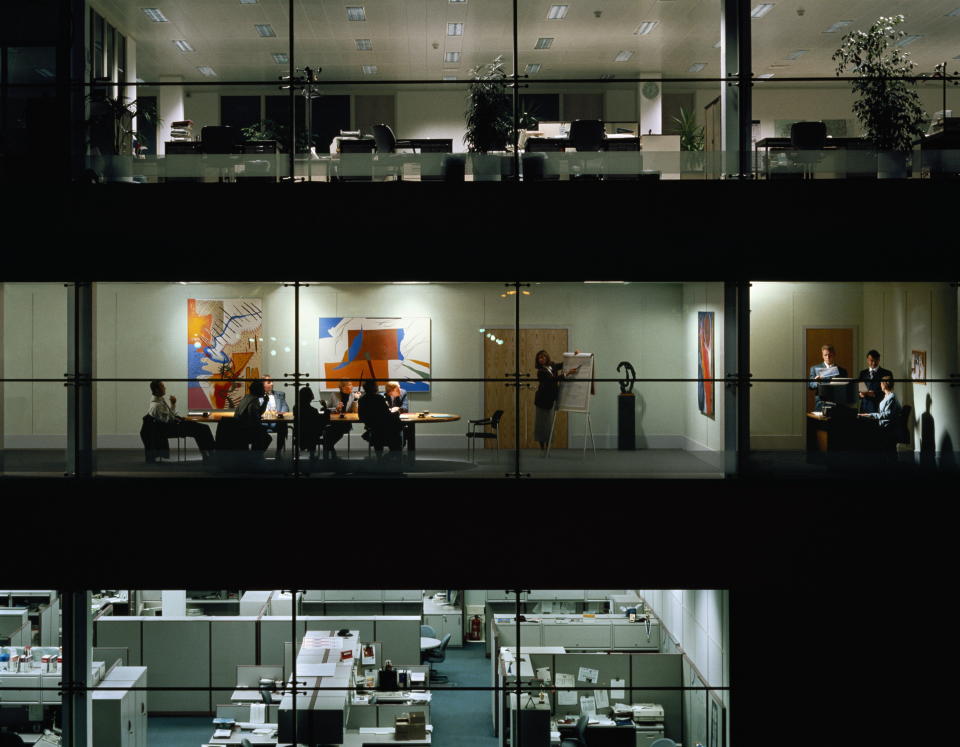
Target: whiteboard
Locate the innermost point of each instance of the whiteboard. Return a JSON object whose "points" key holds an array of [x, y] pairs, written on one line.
{"points": [[575, 386]]}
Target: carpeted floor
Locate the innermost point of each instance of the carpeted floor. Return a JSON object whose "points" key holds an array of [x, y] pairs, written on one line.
{"points": [[460, 718]]}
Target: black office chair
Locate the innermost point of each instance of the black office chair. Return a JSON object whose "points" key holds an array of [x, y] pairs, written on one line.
{"points": [[387, 143], [579, 738], [436, 656], [221, 141], [356, 160], [493, 422], [807, 141], [587, 135], [156, 445]]}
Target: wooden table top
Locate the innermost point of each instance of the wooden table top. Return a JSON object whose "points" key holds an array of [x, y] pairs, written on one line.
{"points": [[350, 417]]}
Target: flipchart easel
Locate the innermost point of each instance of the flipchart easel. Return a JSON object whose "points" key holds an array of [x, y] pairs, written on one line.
{"points": [[576, 391]]}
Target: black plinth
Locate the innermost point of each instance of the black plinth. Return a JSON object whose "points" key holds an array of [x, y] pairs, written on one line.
{"points": [[626, 423]]}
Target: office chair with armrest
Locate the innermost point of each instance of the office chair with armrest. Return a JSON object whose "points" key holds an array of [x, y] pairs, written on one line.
{"points": [[387, 143], [579, 738], [587, 135], [493, 422], [156, 445], [436, 656], [807, 141]]}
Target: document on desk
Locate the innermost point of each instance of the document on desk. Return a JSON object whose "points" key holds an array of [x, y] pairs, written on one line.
{"points": [[376, 730], [258, 712], [566, 697], [588, 675], [588, 705], [617, 694], [600, 696]]}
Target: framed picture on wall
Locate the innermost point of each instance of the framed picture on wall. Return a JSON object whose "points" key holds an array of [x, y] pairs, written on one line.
{"points": [[705, 362], [918, 366], [717, 727]]}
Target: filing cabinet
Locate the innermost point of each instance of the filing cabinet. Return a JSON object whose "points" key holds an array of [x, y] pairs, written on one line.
{"points": [[573, 635], [443, 624]]}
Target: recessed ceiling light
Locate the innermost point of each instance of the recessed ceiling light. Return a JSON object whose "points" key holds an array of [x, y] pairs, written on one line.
{"points": [[607, 76], [645, 27], [557, 12], [837, 26], [155, 15], [356, 13], [369, 69], [451, 57], [622, 56], [43, 72], [533, 67], [207, 70], [779, 66], [954, 12], [908, 40], [281, 58], [543, 42], [696, 67], [450, 77], [796, 54], [248, 2], [364, 44], [264, 29], [183, 45], [766, 75], [456, 2], [454, 29], [761, 10]]}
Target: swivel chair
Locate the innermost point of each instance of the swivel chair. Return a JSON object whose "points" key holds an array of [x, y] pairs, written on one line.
{"points": [[387, 143], [807, 141], [493, 422], [587, 135], [222, 142], [427, 631], [436, 656], [579, 738]]}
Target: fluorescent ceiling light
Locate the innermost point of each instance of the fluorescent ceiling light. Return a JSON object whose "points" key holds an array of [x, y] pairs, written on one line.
{"points": [[761, 10], [954, 12], [207, 70], [155, 15], [364, 44], [908, 40], [183, 45], [557, 12], [43, 72], [543, 42], [696, 67], [454, 2], [837, 26], [450, 77], [606, 282], [766, 75], [451, 57], [778, 66], [796, 54], [281, 58], [369, 69], [607, 76], [454, 29], [248, 2], [622, 56], [264, 29], [356, 13], [645, 27], [533, 67]]}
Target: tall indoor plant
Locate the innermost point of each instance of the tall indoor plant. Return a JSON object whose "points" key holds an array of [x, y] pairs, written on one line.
{"points": [[691, 141], [887, 106], [111, 133], [488, 117]]}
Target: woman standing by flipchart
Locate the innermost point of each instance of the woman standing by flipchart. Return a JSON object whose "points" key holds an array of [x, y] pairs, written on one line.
{"points": [[545, 398]]}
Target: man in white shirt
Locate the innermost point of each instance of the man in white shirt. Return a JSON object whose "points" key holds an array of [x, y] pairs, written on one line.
{"points": [[276, 403], [171, 425]]}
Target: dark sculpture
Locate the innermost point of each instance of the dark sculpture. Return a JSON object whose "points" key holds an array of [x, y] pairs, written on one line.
{"points": [[626, 385]]}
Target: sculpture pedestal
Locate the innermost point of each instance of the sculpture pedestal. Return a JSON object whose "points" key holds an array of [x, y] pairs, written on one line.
{"points": [[626, 422]]}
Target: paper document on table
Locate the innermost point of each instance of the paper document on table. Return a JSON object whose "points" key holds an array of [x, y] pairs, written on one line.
{"points": [[601, 698], [566, 697], [588, 705], [616, 694], [586, 674], [257, 713], [828, 372], [863, 387], [375, 730], [543, 674]]}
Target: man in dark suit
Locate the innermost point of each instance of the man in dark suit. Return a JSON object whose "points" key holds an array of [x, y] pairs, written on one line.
{"points": [[817, 372], [276, 401], [872, 375]]}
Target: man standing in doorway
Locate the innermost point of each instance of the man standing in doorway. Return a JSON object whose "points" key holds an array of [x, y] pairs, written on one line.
{"points": [[822, 373]]}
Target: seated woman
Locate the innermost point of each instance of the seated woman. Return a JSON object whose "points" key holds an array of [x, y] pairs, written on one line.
{"points": [[887, 418], [310, 422], [384, 425]]}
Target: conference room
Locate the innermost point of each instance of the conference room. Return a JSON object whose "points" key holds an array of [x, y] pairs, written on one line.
{"points": [[426, 90], [636, 381]]}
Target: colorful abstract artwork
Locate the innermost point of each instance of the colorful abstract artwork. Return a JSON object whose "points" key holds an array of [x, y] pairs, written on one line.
{"points": [[356, 348], [705, 361], [224, 337]]}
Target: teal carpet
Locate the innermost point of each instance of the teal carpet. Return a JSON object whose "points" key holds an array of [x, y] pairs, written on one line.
{"points": [[460, 718]]}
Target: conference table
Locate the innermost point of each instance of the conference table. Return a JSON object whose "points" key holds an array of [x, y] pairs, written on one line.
{"points": [[427, 643], [409, 419]]}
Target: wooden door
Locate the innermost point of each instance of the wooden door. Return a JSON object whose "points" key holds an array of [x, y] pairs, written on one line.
{"points": [[499, 360], [842, 339]]}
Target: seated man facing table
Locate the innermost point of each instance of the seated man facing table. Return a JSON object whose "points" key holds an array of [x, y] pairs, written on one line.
{"points": [[384, 423], [342, 401], [170, 425], [248, 414], [398, 402], [310, 422], [276, 404]]}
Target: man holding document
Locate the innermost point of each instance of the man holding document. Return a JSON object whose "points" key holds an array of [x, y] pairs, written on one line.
{"points": [[822, 373], [869, 383]]}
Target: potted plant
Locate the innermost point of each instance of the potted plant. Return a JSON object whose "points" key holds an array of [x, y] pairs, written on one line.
{"points": [[691, 142], [887, 106], [270, 130], [111, 133], [489, 118]]}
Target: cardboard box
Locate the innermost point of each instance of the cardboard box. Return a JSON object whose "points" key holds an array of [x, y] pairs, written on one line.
{"points": [[410, 726]]}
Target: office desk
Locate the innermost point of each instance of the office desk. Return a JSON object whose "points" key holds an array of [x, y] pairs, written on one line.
{"points": [[411, 419], [783, 144], [827, 434], [561, 144], [939, 155], [608, 734]]}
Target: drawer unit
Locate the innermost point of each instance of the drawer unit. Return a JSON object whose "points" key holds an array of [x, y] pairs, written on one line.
{"points": [[49, 680], [403, 595], [500, 595], [353, 595], [25, 688], [590, 635], [634, 635], [530, 634]]}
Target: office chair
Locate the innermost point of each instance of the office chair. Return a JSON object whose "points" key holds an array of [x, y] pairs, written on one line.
{"points": [[427, 632], [807, 141], [494, 422], [387, 143], [436, 656], [156, 446], [663, 742], [587, 135], [221, 141], [579, 738]]}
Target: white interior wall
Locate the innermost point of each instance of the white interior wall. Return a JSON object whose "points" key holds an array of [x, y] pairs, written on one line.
{"points": [[203, 107]]}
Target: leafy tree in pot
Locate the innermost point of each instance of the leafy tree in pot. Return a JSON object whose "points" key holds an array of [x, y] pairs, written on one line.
{"points": [[489, 117], [691, 134], [888, 109], [110, 125]]}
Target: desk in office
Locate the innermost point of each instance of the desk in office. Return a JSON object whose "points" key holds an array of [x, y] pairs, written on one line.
{"points": [[608, 734], [421, 144], [561, 144], [412, 419], [427, 643], [939, 155], [783, 144], [830, 433]]}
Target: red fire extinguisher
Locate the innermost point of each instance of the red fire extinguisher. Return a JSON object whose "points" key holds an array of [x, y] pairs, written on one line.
{"points": [[475, 626]]}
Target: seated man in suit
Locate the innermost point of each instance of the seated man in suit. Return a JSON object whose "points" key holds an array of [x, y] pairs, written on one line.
{"points": [[276, 403], [169, 424], [871, 376], [248, 414], [342, 401], [384, 424], [310, 422], [816, 372]]}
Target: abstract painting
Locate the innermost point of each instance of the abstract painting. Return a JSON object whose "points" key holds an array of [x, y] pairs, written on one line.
{"points": [[385, 348], [224, 337], [918, 366], [705, 361]]}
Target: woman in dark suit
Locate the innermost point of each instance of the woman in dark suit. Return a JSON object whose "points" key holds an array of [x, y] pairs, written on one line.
{"points": [[545, 399]]}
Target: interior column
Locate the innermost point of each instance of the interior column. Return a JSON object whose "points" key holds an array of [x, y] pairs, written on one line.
{"points": [[650, 107], [170, 109], [81, 422], [77, 639], [735, 98]]}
